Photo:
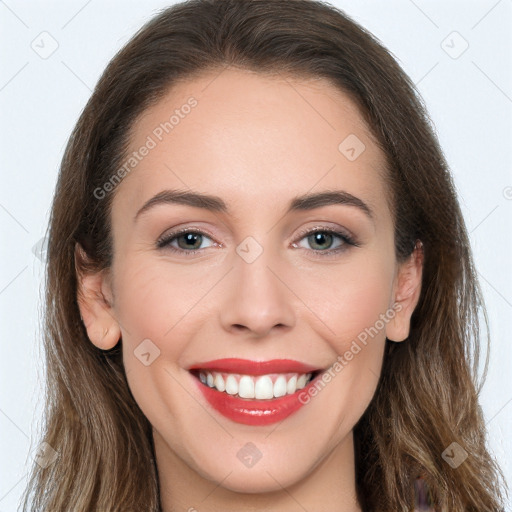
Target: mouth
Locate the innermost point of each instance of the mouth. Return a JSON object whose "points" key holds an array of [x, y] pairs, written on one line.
{"points": [[263, 387], [255, 393]]}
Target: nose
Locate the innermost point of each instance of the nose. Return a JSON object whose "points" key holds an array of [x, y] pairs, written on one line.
{"points": [[258, 299]]}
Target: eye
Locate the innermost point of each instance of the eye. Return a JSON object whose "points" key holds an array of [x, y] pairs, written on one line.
{"points": [[187, 241], [321, 240]]}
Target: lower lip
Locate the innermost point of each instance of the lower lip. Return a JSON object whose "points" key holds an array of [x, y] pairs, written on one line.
{"points": [[254, 412]]}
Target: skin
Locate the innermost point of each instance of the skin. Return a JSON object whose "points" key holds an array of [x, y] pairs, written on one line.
{"points": [[257, 142]]}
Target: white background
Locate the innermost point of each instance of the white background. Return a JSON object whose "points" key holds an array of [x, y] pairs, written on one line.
{"points": [[469, 99]]}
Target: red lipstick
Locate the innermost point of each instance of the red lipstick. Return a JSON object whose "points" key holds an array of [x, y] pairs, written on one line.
{"points": [[254, 412]]}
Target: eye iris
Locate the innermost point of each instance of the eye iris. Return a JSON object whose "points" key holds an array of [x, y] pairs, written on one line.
{"points": [[192, 238], [318, 238]]}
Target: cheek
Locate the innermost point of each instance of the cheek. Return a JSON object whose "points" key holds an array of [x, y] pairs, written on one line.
{"points": [[352, 303], [164, 306], [154, 301], [350, 299], [157, 311]]}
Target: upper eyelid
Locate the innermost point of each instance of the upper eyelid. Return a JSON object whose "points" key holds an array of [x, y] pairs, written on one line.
{"points": [[318, 228], [174, 234], [341, 233]]}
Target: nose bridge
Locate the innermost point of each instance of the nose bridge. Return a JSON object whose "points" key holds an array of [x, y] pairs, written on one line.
{"points": [[257, 298]]}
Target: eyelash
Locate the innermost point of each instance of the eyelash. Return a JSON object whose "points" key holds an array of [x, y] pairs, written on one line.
{"points": [[165, 241]]}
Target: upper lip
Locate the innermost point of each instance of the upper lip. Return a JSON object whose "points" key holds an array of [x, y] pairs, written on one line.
{"points": [[248, 367]]}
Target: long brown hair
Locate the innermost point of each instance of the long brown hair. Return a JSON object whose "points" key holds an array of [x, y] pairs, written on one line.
{"points": [[427, 397]]}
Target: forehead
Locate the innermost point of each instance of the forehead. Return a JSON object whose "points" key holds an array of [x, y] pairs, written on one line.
{"points": [[250, 138]]}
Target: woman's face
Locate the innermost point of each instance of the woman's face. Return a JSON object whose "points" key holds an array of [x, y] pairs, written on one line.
{"points": [[244, 277]]}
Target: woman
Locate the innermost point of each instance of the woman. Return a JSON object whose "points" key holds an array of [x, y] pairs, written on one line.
{"points": [[205, 350]]}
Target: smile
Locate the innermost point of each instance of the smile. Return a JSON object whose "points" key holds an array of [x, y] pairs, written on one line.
{"points": [[247, 386], [251, 392]]}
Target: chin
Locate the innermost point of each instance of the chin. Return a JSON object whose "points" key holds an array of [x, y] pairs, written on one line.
{"points": [[252, 481]]}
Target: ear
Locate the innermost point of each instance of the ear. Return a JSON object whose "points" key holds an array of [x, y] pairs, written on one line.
{"points": [[406, 292], [94, 297]]}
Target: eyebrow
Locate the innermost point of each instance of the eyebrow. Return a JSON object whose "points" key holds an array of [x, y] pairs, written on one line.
{"points": [[216, 204]]}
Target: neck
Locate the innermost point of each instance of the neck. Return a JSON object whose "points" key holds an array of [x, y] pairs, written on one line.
{"points": [[328, 487]]}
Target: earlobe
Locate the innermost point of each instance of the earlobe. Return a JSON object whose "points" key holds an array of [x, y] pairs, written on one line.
{"points": [[407, 292], [95, 304]]}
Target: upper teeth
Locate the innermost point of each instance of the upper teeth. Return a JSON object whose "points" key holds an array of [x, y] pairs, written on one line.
{"points": [[262, 387]]}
